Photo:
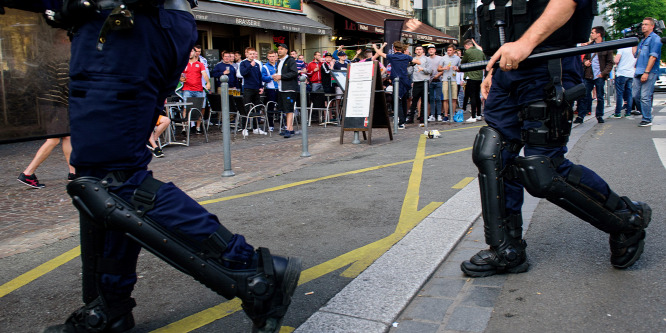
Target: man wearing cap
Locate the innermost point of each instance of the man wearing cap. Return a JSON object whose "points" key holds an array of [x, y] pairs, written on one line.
{"points": [[339, 53], [327, 67], [287, 78], [435, 88]]}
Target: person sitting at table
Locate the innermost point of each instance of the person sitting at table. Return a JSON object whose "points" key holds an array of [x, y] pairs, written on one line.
{"points": [[162, 124]]}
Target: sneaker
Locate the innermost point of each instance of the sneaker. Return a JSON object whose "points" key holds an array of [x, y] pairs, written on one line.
{"points": [[199, 131], [431, 118], [600, 120], [157, 152], [446, 118], [245, 133], [617, 115], [478, 118], [30, 180], [439, 118], [628, 116], [287, 134], [258, 131], [635, 112], [401, 126], [470, 120], [72, 176], [578, 120], [645, 123], [270, 129]]}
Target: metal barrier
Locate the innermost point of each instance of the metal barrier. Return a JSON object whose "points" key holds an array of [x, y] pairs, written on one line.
{"points": [[304, 117], [396, 86], [226, 126]]}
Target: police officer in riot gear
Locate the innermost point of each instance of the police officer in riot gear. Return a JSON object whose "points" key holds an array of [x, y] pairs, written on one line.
{"points": [[115, 100], [529, 106]]}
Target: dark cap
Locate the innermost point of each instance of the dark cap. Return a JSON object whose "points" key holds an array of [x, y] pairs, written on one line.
{"points": [[284, 46], [326, 54], [431, 47]]}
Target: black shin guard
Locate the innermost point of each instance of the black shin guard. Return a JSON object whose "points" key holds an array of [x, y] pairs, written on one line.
{"points": [[265, 288], [503, 231]]}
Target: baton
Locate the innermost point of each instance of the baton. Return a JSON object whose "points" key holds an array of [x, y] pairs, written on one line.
{"points": [[572, 51]]}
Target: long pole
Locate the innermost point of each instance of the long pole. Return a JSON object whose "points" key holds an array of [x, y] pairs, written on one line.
{"points": [[226, 126], [304, 117], [425, 112], [396, 87]]}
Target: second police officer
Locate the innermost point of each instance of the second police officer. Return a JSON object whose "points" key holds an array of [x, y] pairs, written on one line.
{"points": [[528, 105]]}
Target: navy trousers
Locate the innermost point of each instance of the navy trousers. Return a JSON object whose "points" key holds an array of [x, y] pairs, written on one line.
{"points": [[116, 95], [509, 92]]}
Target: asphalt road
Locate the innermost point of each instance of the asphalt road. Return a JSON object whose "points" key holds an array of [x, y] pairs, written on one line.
{"points": [[318, 213]]}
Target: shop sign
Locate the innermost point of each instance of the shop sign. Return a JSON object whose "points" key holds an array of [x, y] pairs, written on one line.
{"points": [[290, 5], [349, 25], [248, 22]]}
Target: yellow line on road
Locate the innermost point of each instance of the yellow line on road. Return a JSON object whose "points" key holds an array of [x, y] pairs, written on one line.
{"points": [[38, 271], [461, 184], [358, 259]]}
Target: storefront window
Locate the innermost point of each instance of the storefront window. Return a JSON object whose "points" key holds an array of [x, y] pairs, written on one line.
{"points": [[34, 61]]}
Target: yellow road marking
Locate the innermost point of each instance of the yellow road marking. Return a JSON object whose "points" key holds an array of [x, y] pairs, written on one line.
{"points": [[461, 184], [38, 271], [359, 259]]}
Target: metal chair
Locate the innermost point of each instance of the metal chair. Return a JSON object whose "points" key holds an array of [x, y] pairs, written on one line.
{"points": [[198, 103]]}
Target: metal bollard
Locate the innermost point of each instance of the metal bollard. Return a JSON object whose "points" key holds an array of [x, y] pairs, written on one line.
{"points": [[304, 117], [608, 92], [226, 126], [396, 86], [451, 110], [425, 112]]}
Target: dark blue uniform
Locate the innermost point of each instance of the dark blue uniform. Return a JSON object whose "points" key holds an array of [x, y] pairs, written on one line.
{"points": [[508, 93]]}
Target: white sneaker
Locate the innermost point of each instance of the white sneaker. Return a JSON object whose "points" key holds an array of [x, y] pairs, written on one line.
{"points": [[431, 118], [271, 129], [245, 133], [470, 120], [259, 131], [478, 118], [439, 118]]}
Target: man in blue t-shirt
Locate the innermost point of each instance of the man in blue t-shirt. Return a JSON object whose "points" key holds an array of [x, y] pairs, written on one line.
{"points": [[647, 55], [399, 63]]}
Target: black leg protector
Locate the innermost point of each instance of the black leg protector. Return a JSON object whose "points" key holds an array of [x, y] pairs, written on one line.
{"points": [[265, 288], [623, 219], [503, 231]]}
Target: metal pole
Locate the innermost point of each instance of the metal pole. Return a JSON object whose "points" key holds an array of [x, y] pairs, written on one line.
{"points": [[304, 117], [226, 126], [451, 110], [396, 86], [608, 93], [425, 112]]}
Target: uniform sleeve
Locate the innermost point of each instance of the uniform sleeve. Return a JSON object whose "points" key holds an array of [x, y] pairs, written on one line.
{"points": [[37, 6]]}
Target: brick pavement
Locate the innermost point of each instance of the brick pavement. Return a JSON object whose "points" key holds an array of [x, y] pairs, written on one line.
{"points": [[30, 218]]}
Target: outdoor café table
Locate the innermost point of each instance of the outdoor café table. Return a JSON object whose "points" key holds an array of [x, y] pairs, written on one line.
{"points": [[330, 98], [169, 136]]}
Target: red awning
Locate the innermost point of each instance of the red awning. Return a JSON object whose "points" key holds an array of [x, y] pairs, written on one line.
{"points": [[372, 21]]}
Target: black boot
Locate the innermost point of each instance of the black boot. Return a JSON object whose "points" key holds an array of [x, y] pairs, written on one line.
{"points": [[627, 247], [280, 279], [98, 317], [506, 253]]}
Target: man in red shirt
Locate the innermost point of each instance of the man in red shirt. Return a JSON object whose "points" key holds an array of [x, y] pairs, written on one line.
{"points": [[192, 84], [314, 72]]}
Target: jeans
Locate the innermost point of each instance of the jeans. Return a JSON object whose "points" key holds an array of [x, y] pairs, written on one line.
{"points": [[643, 91], [435, 97], [473, 90], [418, 92], [623, 87], [587, 100]]}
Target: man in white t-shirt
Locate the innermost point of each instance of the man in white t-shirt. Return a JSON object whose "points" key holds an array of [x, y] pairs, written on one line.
{"points": [[624, 73]]}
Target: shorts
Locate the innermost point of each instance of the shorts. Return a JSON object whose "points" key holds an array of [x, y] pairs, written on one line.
{"points": [[445, 90], [160, 120]]}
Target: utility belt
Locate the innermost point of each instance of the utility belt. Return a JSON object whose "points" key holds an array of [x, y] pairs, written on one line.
{"points": [[553, 114]]}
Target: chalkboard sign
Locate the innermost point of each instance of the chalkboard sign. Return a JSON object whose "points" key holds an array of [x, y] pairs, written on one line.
{"points": [[263, 51], [364, 105], [212, 56]]}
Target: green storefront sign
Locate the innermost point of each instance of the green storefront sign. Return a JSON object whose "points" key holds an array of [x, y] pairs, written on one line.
{"points": [[291, 5]]}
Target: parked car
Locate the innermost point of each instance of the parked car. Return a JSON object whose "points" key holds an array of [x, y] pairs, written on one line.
{"points": [[660, 84]]}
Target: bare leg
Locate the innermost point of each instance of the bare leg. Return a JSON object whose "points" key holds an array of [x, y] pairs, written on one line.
{"points": [[44, 152], [445, 106], [67, 151], [290, 121]]}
